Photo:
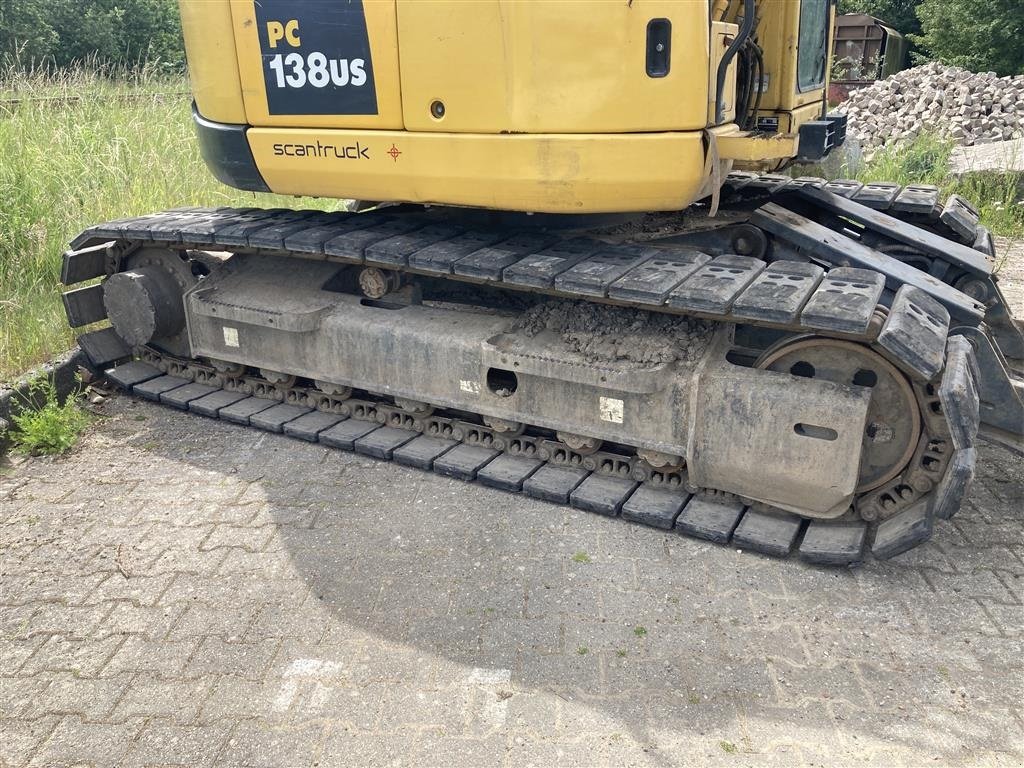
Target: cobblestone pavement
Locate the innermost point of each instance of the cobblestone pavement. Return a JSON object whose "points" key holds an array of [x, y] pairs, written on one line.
{"points": [[183, 591]]}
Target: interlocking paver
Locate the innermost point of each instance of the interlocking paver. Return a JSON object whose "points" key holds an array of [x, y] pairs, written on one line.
{"points": [[18, 694], [198, 619], [126, 618], [61, 653], [21, 738], [76, 742], [14, 653], [255, 744], [181, 591], [159, 657], [167, 744], [91, 697], [177, 701], [216, 656], [233, 698]]}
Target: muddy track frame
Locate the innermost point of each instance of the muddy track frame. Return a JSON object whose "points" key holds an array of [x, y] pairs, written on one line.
{"points": [[900, 312]]}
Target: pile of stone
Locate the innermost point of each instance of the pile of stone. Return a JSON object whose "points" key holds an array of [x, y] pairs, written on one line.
{"points": [[967, 107]]}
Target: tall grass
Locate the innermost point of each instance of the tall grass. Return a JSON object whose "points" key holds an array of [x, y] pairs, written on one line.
{"points": [[76, 149]]}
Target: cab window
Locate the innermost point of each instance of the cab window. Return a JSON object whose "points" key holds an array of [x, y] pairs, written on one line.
{"points": [[812, 55]]}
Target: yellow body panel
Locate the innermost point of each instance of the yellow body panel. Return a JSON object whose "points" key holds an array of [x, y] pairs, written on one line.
{"points": [[721, 35], [212, 60], [779, 34], [547, 104], [745, 147], [549, 67], [561, 173]]}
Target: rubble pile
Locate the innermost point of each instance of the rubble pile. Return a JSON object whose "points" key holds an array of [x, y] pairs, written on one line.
{"points": [[967, 107]]}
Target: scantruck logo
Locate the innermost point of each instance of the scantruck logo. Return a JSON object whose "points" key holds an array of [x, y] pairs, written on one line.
{"points": [[348, 152], [316, 57]]}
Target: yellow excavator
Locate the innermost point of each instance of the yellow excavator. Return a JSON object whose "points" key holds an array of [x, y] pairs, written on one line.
{"points": [[570, 268]]}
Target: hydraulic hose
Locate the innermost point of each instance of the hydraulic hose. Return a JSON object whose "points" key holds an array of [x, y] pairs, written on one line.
{"points": [[746, 28]]}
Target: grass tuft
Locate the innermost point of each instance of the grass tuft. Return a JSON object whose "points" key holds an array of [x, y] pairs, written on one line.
{"points": [[45, 426]]}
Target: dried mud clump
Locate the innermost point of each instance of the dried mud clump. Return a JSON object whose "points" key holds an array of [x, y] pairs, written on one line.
{"points": [[602, 333]]}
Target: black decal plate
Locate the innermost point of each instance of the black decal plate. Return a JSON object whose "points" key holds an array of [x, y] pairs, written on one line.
{"points": [[316, 57]]}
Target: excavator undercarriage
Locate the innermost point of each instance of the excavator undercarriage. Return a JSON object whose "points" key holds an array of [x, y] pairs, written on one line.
{"points": [[808, 371]]}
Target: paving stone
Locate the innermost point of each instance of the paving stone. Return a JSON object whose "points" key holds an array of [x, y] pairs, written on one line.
{"points": [[90, 697], [168, 744], [21, 738], [158, 657], [394, 616], [216, 656], [73, 621], [61, 654], [149, 621], [76, 742], [175, 701], [255, 744], [233, 698]]}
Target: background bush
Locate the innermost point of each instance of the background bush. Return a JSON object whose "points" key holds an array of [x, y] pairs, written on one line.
{"points": [[55, 33]]}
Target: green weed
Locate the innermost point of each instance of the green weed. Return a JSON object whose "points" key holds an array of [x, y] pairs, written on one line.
{"points": [[640, 631], [44, 425], [581, 557], [728, 747]]}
